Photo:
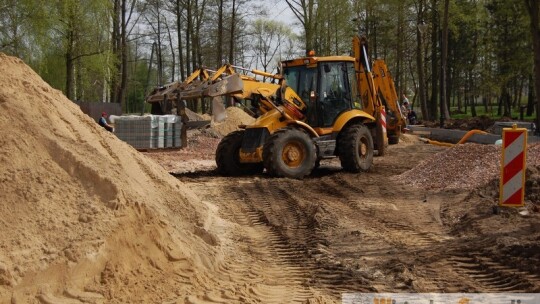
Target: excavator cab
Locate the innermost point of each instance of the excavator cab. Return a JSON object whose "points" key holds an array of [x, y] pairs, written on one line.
{"points": [[328, 89]]}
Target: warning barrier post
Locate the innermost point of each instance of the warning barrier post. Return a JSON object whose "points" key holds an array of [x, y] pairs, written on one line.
{"points": [[513, 166]]}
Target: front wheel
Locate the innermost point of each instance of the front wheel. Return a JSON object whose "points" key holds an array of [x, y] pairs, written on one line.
{"points": [[228, 157], [356, 149], [289, 153]]}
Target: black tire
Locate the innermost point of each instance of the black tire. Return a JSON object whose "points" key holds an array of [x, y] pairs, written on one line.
{"points": [[393, 139], [289, 153], [356, 148], [228, 158], [156, 109]]}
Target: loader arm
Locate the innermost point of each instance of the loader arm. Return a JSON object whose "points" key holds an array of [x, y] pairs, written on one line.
{"points": [[366, 83], [388, 95], [377, 90]]}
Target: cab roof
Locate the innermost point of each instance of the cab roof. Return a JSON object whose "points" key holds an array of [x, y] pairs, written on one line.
{"points": [[314, 60]]}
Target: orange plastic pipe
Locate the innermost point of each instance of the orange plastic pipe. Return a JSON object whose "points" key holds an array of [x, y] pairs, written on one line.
{"points": [[461, 141], [469, 134]]}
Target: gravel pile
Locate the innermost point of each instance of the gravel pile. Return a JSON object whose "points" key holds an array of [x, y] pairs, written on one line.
{"points": [[467, 166]]}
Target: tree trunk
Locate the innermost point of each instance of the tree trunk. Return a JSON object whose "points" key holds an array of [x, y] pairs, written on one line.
{"points": [[530, 96], [189, 32], [232, 32], [70, 64], [115, 51], [399, 51], [433, 106], [79, 93], [304, 11], [444, 65], [179, 36], [505, 102], [533, 6], [460, 107], [124, 61], [159, 49], [472, 94], [173, 56], [420, 63], [219, 45]]}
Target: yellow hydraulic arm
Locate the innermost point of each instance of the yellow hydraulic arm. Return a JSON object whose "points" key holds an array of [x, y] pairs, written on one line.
{"points": [[377, 89], [388, 95], [366, 84]]}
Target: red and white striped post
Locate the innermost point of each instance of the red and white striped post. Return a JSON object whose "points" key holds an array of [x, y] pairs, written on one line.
{"points": [[383, 120], [513, 165]]}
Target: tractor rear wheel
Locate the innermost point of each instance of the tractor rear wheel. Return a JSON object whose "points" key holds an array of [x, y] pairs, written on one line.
{"points": [[228, 157], [393, 139], [355, 146], [289, 153]]}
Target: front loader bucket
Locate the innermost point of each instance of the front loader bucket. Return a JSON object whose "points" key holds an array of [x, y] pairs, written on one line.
{"points": [[231, 84]]}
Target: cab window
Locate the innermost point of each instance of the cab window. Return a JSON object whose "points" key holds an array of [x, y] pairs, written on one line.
{"points": [[355, 94], [334, 95], [303, 81]]}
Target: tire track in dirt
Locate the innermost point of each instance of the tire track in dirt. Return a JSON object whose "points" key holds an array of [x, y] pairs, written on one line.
{"points": [[287, 257], [307, 235], [338, 232], [267, 262], [402, 233], [487, 275], [390, 229]]}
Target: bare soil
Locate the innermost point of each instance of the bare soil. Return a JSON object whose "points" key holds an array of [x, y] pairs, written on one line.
{"points": [[85, 218], [337, 232]]}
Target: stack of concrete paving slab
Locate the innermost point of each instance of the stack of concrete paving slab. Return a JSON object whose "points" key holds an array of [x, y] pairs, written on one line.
{"points": [[149, 132]]}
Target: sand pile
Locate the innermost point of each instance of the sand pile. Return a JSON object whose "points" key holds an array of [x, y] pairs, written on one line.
{"points": [[235, 117], [467, 166], [408, 138], [195, 116], [85, 217]]}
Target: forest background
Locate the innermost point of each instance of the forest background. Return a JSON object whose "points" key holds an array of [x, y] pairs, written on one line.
{"points": [[451, 57]]}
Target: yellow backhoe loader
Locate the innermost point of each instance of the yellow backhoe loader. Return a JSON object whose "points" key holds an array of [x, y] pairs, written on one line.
{"points": [[322, 107], [325, 107]]}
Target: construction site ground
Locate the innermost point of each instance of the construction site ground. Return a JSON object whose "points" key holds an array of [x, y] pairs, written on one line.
{"points": [[380, 231], [86, 218]]}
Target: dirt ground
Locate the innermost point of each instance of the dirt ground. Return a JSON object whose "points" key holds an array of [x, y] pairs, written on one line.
{"points": [[85, 218], [380, 231]]}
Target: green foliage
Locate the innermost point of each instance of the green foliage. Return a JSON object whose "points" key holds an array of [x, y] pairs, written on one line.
{"points": [[491, 112], [333, 29], [270, 39], [489, 42], [137, 88]]}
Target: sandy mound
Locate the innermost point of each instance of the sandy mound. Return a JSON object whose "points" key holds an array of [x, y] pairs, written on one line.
{"points": [[467, 166], [85, 216], [408, 138], [195, 116], [235, 117]]}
